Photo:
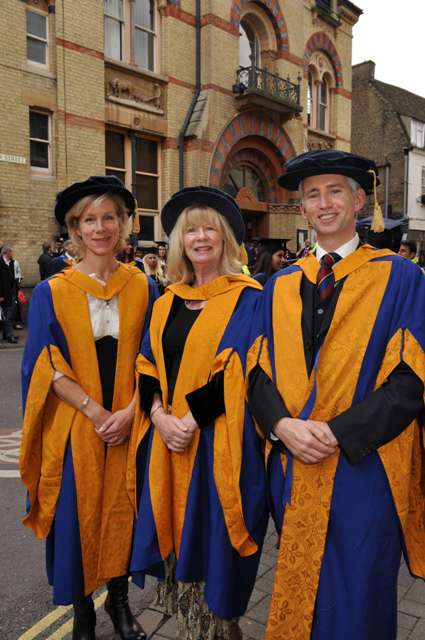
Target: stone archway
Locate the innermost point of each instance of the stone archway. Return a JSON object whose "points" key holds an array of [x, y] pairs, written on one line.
{"points": [[274, 13], [248, 131], [320, 41]]}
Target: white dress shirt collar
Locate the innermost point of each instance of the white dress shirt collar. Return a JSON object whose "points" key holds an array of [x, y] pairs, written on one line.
{"points": [[343, 251]]}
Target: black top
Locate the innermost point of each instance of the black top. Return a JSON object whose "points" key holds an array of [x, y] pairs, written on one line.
{"points": [[106, 349], [205, 403], [8, 287], [179, 323]]}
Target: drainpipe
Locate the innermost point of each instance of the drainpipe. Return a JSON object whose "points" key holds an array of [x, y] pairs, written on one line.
{"points": [[197, 91], [131, 134]]}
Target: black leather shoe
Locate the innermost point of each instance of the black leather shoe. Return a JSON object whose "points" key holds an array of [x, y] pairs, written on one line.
{"points": [[84, 620], [12, 340], [116, 605]]}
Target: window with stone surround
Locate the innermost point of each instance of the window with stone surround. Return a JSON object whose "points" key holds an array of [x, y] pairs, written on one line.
{"points": [[119, 155], [40, 142], [417, 134], [131, 32], [321, 80], [37, 38]]}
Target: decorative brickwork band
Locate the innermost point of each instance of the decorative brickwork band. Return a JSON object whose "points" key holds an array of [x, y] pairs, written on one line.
{"points": [[320, 41], [250, 130], [275, 14]]}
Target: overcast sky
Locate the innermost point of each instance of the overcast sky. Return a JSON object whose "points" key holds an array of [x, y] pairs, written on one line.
{"points": [[392, 34]]}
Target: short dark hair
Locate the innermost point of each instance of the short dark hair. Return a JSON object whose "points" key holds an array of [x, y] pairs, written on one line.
{"points": [[410, 244]]}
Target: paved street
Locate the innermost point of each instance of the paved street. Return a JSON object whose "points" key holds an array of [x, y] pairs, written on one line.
{"points": [[26, 612]]}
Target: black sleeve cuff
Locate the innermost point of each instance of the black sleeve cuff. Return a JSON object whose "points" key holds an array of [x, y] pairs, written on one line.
{"points": [[380, 417], [207, 402], [265, 401], [148, 386]]}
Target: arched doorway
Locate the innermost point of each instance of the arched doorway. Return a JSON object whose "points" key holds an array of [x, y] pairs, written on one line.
{"points": [[246, 162], [245, 181]]}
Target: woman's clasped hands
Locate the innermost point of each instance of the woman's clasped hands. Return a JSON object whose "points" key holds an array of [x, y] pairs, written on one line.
{"points": [[176, 433]]}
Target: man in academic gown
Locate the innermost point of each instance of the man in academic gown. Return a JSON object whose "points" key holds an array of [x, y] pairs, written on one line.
{"points": [[336, 384]]}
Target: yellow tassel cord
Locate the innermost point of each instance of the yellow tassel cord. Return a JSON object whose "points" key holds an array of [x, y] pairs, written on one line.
{"points": [[243, 256], [136, 221], [378, 225]]}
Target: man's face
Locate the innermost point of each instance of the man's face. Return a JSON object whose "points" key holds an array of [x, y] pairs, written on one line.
{"points": [[405, 252], [330, 206]]}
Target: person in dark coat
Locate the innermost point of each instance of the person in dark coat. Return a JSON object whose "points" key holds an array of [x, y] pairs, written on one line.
{"points": [[8, 293], [44, 260]]}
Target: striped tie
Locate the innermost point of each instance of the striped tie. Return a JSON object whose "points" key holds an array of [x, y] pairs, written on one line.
{"points": [[325, 276]]}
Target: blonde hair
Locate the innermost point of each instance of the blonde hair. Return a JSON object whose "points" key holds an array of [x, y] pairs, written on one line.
{"points": [[179, 268], [72, 219], [153, 272]]}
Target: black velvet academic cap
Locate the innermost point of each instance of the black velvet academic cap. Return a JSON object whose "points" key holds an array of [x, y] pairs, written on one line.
{"points": [[204, 197], [319, 162], [95, 185]]}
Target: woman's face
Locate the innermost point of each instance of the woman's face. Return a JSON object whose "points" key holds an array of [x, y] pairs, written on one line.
{"points": [[203, 245], [99, 228], [162, 252], [151, 260], [278, 260]]}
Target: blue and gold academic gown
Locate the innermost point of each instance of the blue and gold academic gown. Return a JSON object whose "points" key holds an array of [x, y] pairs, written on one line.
{"points": [[76, 484], [343, 525], [207, 506]]}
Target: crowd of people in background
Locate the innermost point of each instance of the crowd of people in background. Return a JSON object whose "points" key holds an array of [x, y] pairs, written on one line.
{"points": [[264, 257]]}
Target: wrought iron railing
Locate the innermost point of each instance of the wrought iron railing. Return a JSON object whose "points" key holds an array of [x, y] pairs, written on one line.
{"points": [[269, 84]]}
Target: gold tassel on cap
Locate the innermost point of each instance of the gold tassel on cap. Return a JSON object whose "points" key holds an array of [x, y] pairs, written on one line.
{"points": [[378, 225], [136, 221], [243, 256]]}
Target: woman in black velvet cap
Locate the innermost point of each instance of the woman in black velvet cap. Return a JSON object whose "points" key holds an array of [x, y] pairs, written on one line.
{"points": [[200, 482], [85, 326]]}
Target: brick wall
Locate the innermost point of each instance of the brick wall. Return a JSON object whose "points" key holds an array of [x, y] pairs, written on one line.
{"points": [[377, 133], [72, 89]]}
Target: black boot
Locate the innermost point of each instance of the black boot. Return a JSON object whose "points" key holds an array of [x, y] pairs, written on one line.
{"points": [[116, 604], [84, 620]]}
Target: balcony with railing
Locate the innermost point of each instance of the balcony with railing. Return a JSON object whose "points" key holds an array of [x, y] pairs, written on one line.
{"points": [[257, 87]]}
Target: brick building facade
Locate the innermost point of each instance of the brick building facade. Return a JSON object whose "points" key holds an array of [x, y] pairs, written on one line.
{"points": [[165, 94], [389, 126]]}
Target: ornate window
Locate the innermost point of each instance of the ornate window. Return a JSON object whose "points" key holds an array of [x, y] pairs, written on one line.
{"points": [[249, 46], [243, 175], [40, 142], [37, 38], [131, 31], [310, 99], [322, 105], [118, 162], [321, 80]]}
